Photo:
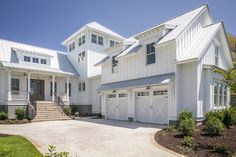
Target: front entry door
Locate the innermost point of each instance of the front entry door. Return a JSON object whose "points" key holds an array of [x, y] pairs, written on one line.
{"points": [[37, 89]]}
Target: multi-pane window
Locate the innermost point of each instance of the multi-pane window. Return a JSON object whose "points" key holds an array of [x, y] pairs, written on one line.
{"points": [[94, 38], [151, 56], [220, 94], [15, 84], [81, 56], [55, 89], [81, 86], [69, 88], [26, 58], [35, 60], [43, 61], [216, 55], [114, 64], [72, 46], [112, 43], [81, 40], [142, 93], [100, 40]]}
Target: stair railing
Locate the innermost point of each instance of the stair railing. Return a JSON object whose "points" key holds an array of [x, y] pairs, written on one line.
{"points": [[59, 102], [32, 107]]}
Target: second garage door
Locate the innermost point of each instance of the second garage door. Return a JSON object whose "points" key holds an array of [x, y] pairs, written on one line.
{"points": [[152, 106], [117, 106]]}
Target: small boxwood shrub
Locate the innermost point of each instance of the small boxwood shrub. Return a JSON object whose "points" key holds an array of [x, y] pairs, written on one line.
{"points": [[214, 126], [20, 113], [185, 115], [215, 113], [229, 117], [67, 110], [221, 149], [187, 126], [3, 116], [187, 141]]}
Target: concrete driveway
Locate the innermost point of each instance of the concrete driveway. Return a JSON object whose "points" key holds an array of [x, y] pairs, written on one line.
{"points": [[92, 137]]}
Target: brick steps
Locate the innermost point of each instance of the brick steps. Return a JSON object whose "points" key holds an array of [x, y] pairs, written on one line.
{"points": [[49, 111]]}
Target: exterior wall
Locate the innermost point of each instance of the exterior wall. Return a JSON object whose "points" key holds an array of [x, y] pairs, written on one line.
{"points": [[135, 66], [96, 98]]}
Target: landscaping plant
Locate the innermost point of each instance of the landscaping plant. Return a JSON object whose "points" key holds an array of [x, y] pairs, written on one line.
{"points": [[187, 141], [53, 153], [229, 117], [185, 115], [214, 126], [222, 150], [215, 113], [186, 123], [20, 113], [3, 116], [67, 110]]}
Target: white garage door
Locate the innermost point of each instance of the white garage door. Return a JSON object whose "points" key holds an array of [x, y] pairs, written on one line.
{"points": [[117, 106], [152, 106]]}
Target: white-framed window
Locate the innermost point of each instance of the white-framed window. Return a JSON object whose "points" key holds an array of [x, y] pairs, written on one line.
{"points": [[150, 55], [160, 92], [81, 56], [69, 88], [112, 43], [15, 84], [142, 93], [100, 40], [82, 86], [35, 60], [122, 95], [111, 96], [216, 56], [72, 46], [114, 65], [26, 58], [43, 61], [94, 38], [220, 94], [55, 89], [81, 40]]}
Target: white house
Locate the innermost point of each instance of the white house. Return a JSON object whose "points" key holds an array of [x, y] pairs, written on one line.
{"points": [[153, 75], [149, 77]]}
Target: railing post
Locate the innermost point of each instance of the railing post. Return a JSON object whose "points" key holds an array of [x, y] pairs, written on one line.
{"points": [[28, 86], [67, 90], [9, 87], [53, 87]]}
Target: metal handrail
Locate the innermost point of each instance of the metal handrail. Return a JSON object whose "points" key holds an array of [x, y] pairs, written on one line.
{"points": [[59, 102], [32, 105]]}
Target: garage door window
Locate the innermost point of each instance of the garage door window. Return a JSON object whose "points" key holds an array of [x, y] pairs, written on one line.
{"points": [[122, 95], [112, 96], [160, 92], [142, 93]]}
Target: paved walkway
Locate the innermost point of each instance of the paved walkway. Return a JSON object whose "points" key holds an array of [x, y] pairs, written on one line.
{"points": [[92, 137]]}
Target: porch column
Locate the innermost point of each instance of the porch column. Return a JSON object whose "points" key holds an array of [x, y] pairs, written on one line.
{"points": [[9, 86], [53, 87], [67, 88], [28, 82]]}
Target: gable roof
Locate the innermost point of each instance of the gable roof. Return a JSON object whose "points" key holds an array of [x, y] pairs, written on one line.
{"points": [[94, 26], [59, 60]]}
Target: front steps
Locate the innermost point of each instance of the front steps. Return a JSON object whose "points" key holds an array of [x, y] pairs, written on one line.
{"points": [[49, 111]]}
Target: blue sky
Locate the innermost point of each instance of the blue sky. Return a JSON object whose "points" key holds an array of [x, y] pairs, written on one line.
{"points": [[47, 23]]}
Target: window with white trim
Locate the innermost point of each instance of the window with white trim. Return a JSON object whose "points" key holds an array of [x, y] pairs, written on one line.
{"points": [[69, 88], [72, 46], [111, 96], [216, 56], [225, 95], [150, 55], [81, 86], [216, 95], [100, 40], [35, 60], [142, 93], [81, 40], [26, 58], [55, 89], [114, 65], [112, 43], [15, 84], [94, 38], [43, 61], [81, 56], [220, 94]]}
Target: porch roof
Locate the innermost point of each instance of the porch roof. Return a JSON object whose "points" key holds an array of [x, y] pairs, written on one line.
{"points": [[30, 67], [145, 81]]}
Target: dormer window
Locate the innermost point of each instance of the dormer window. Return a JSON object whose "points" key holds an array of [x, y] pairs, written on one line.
{"points": [[94, 39], [26, 58], [216, 56], [35, 60], [150, 55], [100, 40], [112, 43], [82, 40], [43, 61], [72, 46]]}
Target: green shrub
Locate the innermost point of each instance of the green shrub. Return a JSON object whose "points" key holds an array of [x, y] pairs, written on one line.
{"points": [[222, 150], [67, 110], [187, 141], [99, 115], [215, 113], [170, 128], [214, 126], [3, 116], [185, 115], [53, 153], [187, 126], [229, 117], [73, 109], [76, 114], [20, 113]]}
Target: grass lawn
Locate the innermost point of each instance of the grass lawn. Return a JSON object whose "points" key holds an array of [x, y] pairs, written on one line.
{"points": [[17, 146]]}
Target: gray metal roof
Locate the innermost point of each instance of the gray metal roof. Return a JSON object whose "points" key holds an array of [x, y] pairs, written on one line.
{"points": [[102, 61], [146, 81]]}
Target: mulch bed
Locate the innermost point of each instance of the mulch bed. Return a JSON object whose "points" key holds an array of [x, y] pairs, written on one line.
{"points": [[14, 121], [203, 143]]}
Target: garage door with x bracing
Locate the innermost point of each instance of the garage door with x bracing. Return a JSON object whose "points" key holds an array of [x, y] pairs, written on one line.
{"points": [[152, 106], [117, 106]]}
